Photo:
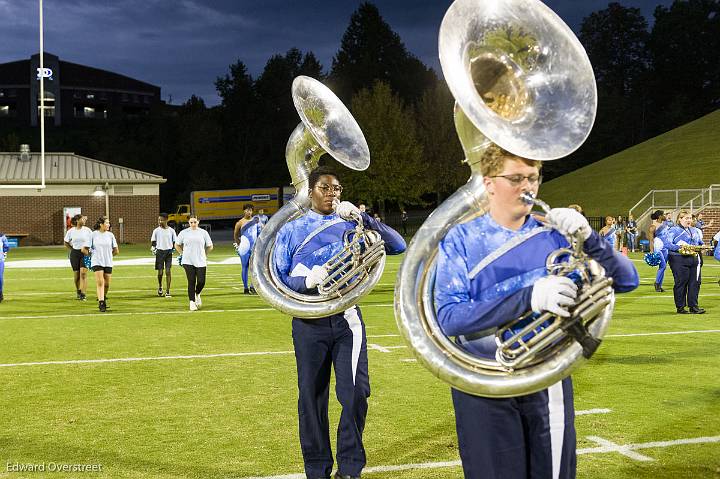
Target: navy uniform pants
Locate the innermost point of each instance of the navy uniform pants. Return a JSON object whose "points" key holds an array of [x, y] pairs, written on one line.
{"points": [[686, 272], [525, 437], [320, 344]]}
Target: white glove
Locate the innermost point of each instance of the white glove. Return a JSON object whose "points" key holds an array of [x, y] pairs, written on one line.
{"points": [[554, 294], [316, 275], [153, 250], [243, 247], [346, 210], [569, 222]]}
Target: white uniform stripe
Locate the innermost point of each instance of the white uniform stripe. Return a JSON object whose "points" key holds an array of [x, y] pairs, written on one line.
{"points": [[697, 272], [353, 320], [556, 409]]}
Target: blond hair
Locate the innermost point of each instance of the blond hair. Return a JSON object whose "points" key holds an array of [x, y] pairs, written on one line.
{"points": [[682, 213], [494, 157]]}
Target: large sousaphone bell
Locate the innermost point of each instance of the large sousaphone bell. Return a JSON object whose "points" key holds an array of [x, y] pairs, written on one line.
{"points": [[521, 81], [326, 127]]}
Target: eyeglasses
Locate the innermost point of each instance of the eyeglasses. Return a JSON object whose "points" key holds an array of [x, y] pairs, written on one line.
{"points": [[516, 180], [326, 189]]}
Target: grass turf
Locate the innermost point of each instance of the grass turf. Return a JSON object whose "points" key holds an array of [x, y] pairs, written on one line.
{"points": [[685, 157], [235, 416]]}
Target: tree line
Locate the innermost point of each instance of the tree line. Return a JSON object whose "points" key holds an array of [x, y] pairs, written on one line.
{"points": [[649, 80]]}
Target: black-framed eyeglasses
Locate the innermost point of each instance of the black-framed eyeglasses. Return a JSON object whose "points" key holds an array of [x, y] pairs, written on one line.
{"points": [[516, 180], [326, 189]]}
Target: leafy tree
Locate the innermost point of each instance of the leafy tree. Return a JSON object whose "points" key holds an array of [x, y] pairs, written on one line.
{"points": [[277, 116], [685, 50], [370, 50], [443, 153], [397, 166]]}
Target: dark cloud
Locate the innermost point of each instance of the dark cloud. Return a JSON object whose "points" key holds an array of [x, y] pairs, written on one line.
{"points": [[184, 45]]}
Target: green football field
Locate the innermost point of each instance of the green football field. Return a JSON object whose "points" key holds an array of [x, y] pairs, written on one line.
{"points": [[152, 390]]}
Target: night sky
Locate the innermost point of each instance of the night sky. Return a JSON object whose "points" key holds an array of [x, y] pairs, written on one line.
{"points": [[184, 45]]}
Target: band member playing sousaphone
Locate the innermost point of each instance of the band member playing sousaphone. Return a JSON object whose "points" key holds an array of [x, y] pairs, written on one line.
{"points": [[302, 249], [485, 278], [684, 243], [502, 306]]}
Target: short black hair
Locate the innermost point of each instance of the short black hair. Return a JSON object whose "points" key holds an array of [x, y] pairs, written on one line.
{"points": [[656, 214], [318, 172], [75, 219], [163, 216], [248, 206]]}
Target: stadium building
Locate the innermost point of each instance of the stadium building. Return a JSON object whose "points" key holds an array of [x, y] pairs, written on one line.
{"points": [[74, 184], [74, 94]]}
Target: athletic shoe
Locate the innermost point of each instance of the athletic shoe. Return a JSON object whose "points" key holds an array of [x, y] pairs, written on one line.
{"points": [[198, 300], [697, 310], [78, 295], [103, 306], [1, 298], [193, 306], [160, 292], [659, 288], [682, 311], [247, 291], [252, 290], [83, 297], [167, 294]]}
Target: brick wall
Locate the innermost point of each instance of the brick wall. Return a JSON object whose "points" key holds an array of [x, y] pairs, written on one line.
{"points": [[41, 217], [711, 215]]}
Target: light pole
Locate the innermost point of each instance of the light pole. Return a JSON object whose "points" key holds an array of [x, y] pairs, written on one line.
{"points": [[42, 98]]}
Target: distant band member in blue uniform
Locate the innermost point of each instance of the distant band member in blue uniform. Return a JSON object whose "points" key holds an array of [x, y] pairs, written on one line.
{"points": [[262, 217], [302, 247], [685, 268], [4, 248], [608, 232], [656, 231], [246, 232], [486, 278]]}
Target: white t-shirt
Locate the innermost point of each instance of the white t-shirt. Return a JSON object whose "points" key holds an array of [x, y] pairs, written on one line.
{"points": [[193, 243], [101, 245], [78, 238], [164, 238]]}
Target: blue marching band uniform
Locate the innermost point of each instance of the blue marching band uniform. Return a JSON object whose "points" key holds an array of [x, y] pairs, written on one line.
{"points": [[685, 268], [659, 247], [248, 235], [337, 340], [4, 248], [485, 275]]}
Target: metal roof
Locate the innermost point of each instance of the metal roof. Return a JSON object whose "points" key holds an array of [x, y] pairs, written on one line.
{"points": [[69, 168]]}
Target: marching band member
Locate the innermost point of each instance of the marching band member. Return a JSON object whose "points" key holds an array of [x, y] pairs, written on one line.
{"points": [[193, 244], [75, 238], [657, 229], [302, 247], [608, 231], [162, 242], [245, 233], [486, 277], [4, 248], [103, 246], [685, 268], [262, 218]]}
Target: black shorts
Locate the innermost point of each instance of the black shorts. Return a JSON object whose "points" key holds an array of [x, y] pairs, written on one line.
{"points": [[76, 259], [163, 259], [105, 269]]}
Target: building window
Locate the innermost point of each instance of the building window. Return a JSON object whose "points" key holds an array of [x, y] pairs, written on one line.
{"points": [[4, 110], [125, 97], [88, 112], [2, 93], [90, 96], [12, 93]]}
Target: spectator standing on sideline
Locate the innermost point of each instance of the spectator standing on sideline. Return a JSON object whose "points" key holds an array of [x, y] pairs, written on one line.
{"points": [[193, 243], [404, 220], [620, 232], [631, 232], [75, 238], [162, 243], [4, 248], [103, 247]]}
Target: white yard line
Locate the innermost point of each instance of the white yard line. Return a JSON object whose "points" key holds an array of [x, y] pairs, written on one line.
{"points": [[594, 450], [177, 294], [661, 333], [609, 446], [593, 411]]}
